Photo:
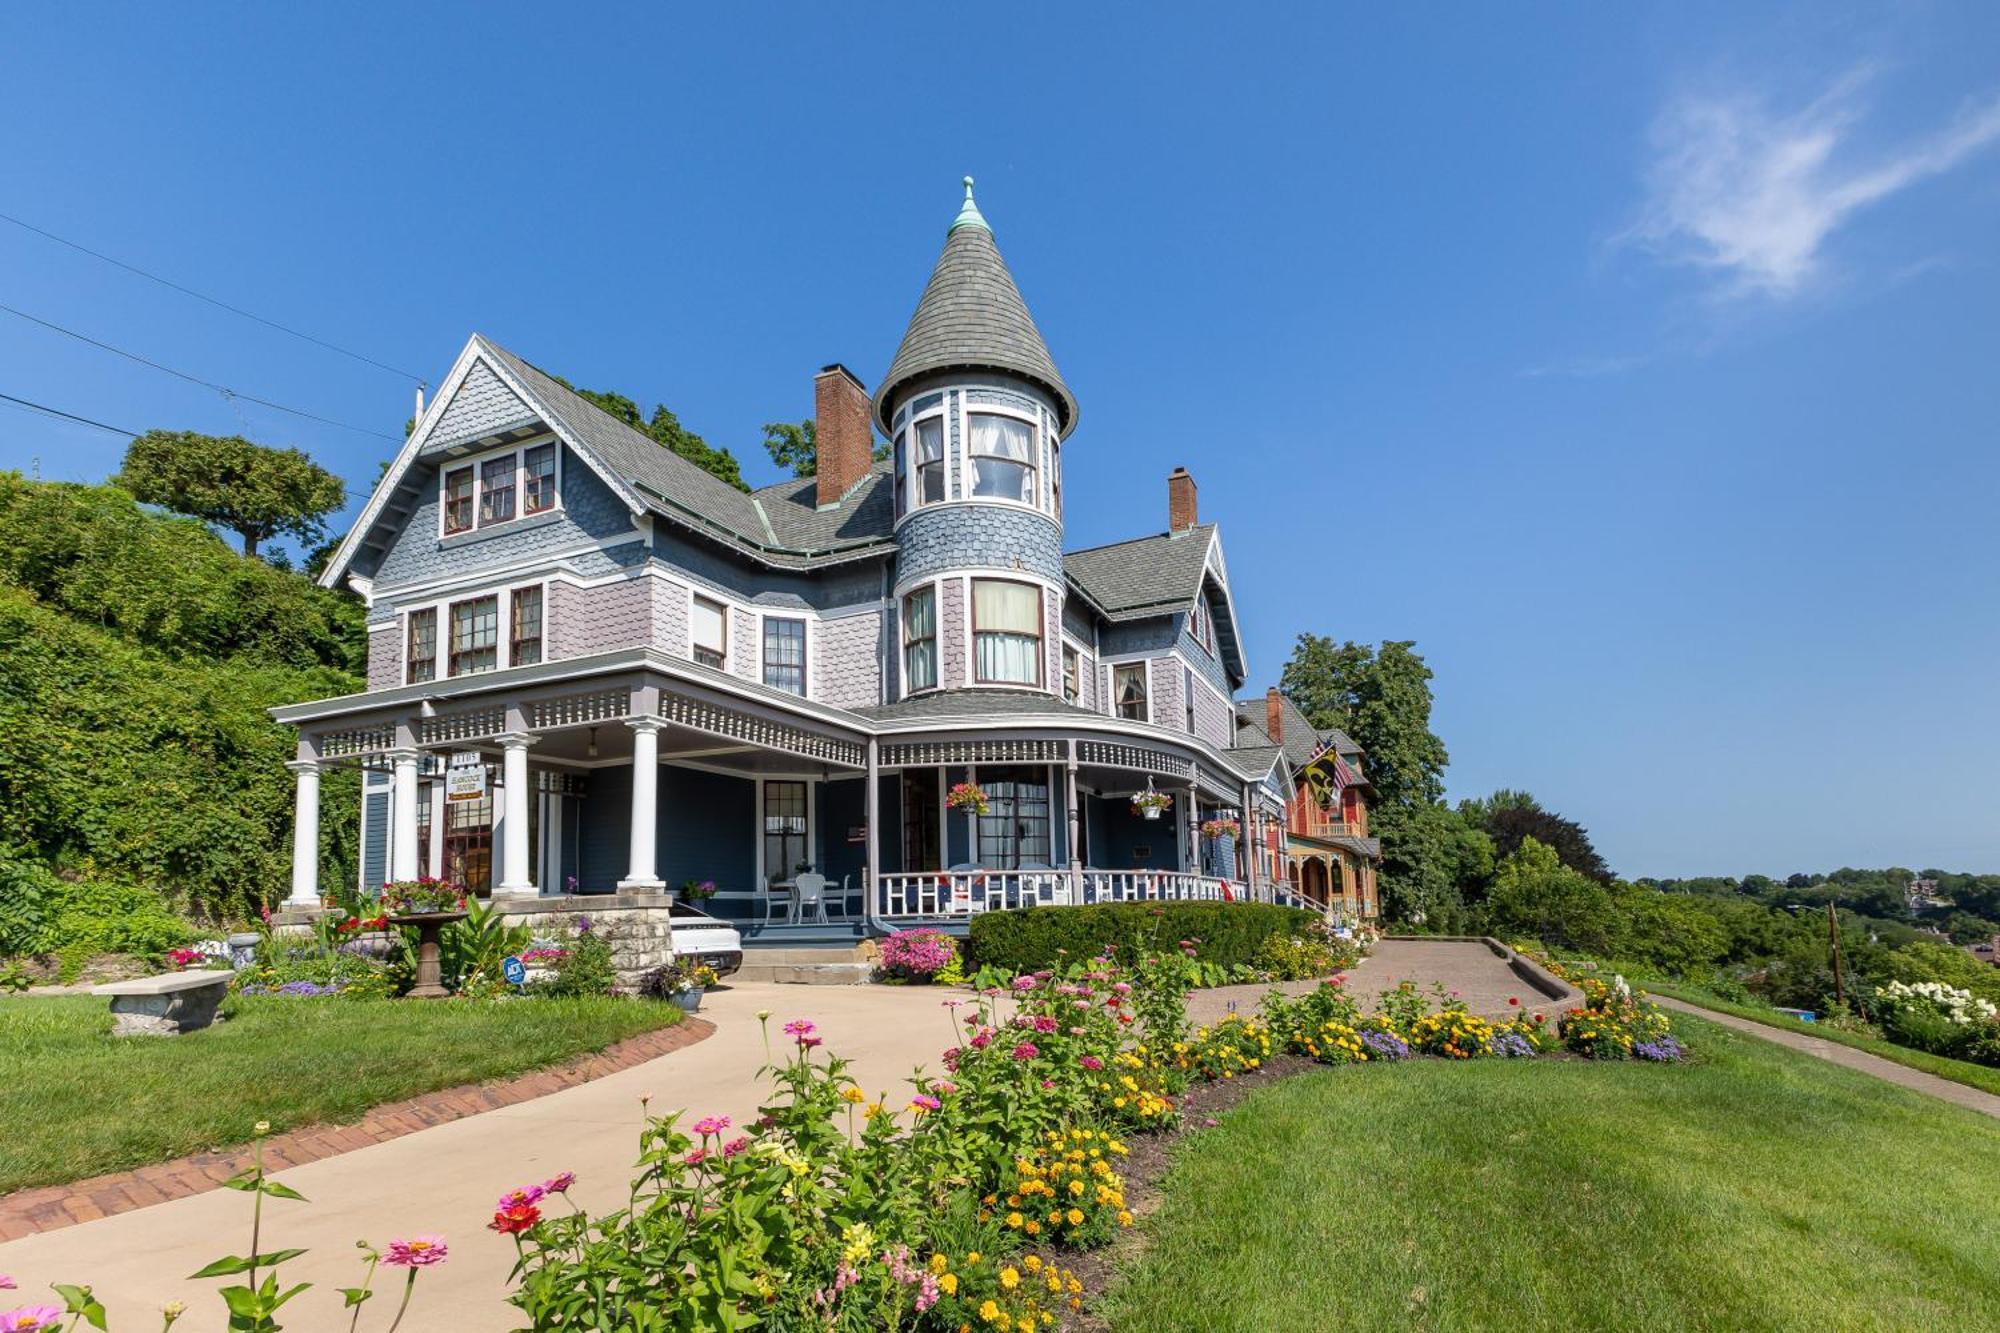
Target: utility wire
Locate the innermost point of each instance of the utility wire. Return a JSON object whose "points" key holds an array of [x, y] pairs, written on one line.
{"points": [[223, 389], [66, 416], [220, 305]]}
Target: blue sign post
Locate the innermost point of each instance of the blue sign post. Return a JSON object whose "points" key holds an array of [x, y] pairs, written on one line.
{"points": [[512, 968]]}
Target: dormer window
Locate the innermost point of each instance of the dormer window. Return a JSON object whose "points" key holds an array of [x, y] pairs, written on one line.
{"points": [[1200, 625], [1002, 458], [499, 488]]}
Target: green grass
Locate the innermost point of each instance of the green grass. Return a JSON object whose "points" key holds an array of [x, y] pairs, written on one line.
{"points": [[1754, 1189], [1958, 1071], [77, 1102]]}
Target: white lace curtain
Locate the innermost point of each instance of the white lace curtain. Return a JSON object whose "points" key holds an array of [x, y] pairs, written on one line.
{"points": [[1003, 453], [920, 640]]}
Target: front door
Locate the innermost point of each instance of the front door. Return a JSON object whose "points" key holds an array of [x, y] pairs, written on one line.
{"points": [[920, 820]]}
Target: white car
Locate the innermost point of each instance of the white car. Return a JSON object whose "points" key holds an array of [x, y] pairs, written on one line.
{"points": [[713, 941]]}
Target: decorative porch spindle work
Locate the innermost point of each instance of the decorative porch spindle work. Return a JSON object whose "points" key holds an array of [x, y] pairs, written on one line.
{"points": [[356, 741], [726, 722], [575, 710], [925, 754], [1110, 754], [944, 895], [464, 726]]}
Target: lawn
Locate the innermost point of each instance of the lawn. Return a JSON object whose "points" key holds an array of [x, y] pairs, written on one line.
{"points": [[77, 1102], [1958, 1071], [1754, 1189]]}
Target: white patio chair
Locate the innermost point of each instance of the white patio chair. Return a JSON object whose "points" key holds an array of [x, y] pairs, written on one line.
{"points": [[809, 896], [836, 905], [776, 896]]}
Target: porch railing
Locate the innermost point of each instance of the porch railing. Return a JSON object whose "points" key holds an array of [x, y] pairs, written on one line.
{"points": [[936, 895]]}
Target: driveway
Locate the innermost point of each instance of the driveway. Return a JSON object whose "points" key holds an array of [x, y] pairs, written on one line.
{"points": [[445, 1179]]}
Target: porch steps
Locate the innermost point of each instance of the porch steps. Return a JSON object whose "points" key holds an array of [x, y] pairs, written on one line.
{"points": [[832, 965]]}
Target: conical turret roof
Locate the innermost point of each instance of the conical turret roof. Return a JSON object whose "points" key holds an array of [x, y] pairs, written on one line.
{"points": [[972, 317]]}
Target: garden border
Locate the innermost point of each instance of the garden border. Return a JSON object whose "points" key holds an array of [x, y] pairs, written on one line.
{"points": [[43, 1208]]}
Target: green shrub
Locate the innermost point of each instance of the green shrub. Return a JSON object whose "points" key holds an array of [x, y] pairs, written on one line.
{"points": [[585, 969], [85, 918], [1029, 938]]}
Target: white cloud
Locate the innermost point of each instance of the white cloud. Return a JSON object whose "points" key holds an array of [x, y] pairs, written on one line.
{"points": [[1752, 195]]}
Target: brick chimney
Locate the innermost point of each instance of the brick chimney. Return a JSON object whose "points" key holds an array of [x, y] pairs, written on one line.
{"points": [[1274, 715], [842, 430], [1180, 501]]}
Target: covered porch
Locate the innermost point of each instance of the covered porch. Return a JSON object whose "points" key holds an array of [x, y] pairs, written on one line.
{"points": [[626, 778]]}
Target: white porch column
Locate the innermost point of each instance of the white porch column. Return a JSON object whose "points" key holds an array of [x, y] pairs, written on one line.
{"points": [[305, 835], [641, 873], [403, 815], [517, 876], [1075, 826], [873, 816]]}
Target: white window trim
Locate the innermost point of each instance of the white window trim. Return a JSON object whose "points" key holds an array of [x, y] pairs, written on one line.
{"points": [[477, 462], [1032, 420], [912, 494], [955, 406], [503, 650], [811, 782], [1145, 665], [936, 587], [969, 640], [765, 615], [728, 614]]}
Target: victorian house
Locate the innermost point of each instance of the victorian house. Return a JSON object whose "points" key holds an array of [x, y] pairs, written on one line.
{"points": [[594, 668], [1321, 843]]}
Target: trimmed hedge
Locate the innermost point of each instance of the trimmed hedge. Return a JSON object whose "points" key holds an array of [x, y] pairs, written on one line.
{"points": [[1028, 938]]}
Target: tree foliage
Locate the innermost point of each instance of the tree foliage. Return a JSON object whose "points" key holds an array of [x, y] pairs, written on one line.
{"points": [[254, 491], [666, 429], [794, 446], [1510, 820]]}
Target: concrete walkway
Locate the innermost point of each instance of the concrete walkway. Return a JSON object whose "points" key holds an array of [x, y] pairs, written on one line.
{"points": [[446, 1178], [1834, 1052], [1466, 968]]}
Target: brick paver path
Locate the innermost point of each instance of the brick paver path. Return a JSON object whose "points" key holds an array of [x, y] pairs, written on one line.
{"points": [[27, 1212], [1479, 976], [1835, 1053]]}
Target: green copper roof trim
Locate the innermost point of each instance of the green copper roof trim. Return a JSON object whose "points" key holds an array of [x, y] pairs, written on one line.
{"points": [[968, 216]]}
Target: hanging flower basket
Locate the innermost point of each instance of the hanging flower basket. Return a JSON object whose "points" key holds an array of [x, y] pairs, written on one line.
{"points": [[1221, 828], [1148, 804], [966, 796]]}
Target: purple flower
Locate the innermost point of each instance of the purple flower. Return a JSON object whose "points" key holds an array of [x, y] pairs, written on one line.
{"points": [[1386, 1045], [1666, 1050]]}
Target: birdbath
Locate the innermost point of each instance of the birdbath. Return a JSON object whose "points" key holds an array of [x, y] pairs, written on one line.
{"points": [[428, 925]]}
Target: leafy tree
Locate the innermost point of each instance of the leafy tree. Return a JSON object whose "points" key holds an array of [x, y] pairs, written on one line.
{"points": [[1535, 895], [254, 491], [666, 429], [1510, 825], [794, 446]]}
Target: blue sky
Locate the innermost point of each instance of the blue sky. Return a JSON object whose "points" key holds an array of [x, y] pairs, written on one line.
{"points": [[1636, 361]]}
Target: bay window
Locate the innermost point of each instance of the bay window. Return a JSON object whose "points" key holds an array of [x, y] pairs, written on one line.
{"points": [[475, 635], [496, 490], [920, 665], [709, 629], [785, 655], [1002, 457], [1006, 632], [1128, 690], [422, 649], [524, 640], [538, 479], [458, 500]]}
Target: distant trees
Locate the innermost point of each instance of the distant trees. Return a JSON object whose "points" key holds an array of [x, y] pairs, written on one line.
{"points": [[1510, 818], [255, 491], [665, 428], [794, 446]]}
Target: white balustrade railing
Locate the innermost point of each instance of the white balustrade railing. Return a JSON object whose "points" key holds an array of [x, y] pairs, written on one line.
{"points": [[941, 895]]}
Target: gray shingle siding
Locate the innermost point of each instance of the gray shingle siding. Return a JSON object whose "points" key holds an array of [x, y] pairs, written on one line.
{"points": [[952, 637], [482, 406], [600, 619], [978, 537], [1136, 636], [590, 512], [385, 658], [843, 585], [848, 671], [1200, 658]]}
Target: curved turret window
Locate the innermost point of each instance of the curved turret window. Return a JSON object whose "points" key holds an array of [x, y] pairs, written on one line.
{"points": [[1006, 632], [1002, 458]]}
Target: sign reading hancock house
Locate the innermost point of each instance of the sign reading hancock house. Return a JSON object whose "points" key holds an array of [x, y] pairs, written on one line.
{"points": [[465, 778]]}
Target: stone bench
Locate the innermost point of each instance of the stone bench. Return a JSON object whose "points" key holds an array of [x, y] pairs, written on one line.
{"points": [[166, 1005]]}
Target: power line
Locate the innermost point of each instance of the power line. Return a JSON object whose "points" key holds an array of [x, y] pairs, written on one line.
{"points": [[66, 416], [220, 305], [223, 389]]}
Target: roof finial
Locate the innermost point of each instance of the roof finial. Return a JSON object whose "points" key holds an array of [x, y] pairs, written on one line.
{"points": [[968, 216]]}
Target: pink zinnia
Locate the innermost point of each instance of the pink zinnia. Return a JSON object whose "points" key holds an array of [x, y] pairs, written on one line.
{"points": [[416, 1252], [521, 1198], [923, 1101], [560, 1183], [30, 1318], [711, 1124], [1091, 1062], [1045, 1025], [1024, 983], [697, 1157], [945, 1088], [981, 1039], [1121, 988], [1027, 1050], [809, 1042], [734, 1146], [799, 1027]]}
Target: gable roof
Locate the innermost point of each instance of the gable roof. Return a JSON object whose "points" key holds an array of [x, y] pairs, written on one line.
{"points": [[971, 317], [1302, 741], [1160, 575], [493, 394]]}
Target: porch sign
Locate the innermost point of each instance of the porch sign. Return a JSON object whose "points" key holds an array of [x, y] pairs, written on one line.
{"points": [[465, 777]]}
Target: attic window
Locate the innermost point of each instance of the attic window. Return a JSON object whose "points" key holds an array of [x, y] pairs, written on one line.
{"points": [[458, 501], [500, 488], [1201, 625]]}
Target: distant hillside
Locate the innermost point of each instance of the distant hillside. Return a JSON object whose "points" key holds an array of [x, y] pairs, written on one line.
{"points": [[137, 656]]}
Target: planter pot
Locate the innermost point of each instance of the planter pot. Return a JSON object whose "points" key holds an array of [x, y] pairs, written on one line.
{"points": [[689, 1000], [1149, 812]]}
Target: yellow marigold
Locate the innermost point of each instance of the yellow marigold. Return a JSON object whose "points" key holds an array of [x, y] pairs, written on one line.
{"points": [[948, 1284], [1014, 1220], [1075, 1216], [990, 1312], [1076, 1187], [1010, 1278], [1033, 1228], [1124, 1218], [1033, 1263], [853, 1094], [939, 1263]]}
